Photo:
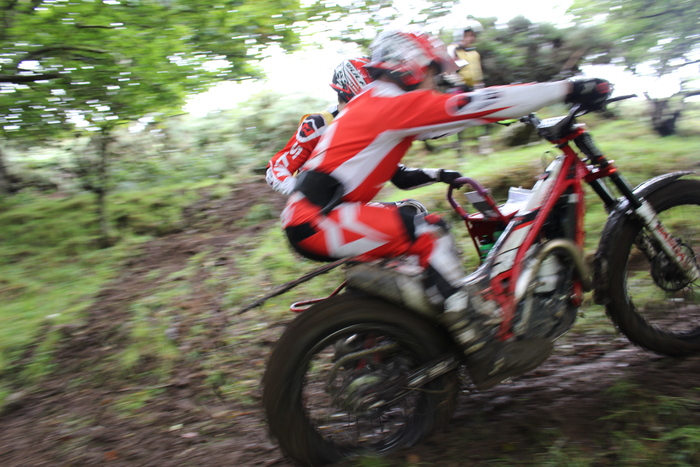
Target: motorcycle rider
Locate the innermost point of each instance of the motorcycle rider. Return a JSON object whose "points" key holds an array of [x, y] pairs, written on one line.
{"points": [[330, 214], [349, 77]]}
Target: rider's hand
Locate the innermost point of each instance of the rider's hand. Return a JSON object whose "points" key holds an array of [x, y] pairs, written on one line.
{"points": [[448, 176], [591, 93]]}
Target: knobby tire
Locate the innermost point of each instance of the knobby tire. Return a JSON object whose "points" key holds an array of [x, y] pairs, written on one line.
{"points": [[310, 436], [660, 319]]}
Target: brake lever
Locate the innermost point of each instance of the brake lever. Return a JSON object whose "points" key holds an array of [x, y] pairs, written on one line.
{"points": [[602, 107], [619, 98]]}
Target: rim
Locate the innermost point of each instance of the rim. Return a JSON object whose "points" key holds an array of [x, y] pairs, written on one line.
{"points": [[658, 293], [351, 370]]}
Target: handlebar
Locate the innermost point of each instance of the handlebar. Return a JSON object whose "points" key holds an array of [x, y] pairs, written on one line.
{"points": [[556, 125], [574, 112], [619, 98], [477, 187], [553, 129]]}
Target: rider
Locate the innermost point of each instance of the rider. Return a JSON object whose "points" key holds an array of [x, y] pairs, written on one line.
{"points": [[349, 78], [330, 214]]}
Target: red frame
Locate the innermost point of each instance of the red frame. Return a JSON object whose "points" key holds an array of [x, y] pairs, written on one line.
{"points": [[572, 172]]}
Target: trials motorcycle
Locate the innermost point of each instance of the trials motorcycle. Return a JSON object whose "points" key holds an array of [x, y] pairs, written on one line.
{"points": [[371, 369]]}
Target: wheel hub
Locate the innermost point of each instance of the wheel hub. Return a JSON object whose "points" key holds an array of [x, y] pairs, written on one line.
{"points": [[667, 275], [360, 391]]}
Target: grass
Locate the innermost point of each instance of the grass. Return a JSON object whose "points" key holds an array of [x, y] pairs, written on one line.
{"points": [[51, 267]]}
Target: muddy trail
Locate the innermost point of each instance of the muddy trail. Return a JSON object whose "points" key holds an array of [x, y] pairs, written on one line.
{"points": [[73, 416]]}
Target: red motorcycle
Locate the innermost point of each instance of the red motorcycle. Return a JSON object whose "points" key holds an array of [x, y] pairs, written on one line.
{"points": [[371, 369]]}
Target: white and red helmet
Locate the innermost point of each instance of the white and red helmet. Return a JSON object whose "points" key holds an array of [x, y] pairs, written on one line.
{"points": [[407, 55], [349, 77]]}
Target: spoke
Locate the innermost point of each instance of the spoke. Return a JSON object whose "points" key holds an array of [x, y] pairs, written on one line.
{"points": [[342, 380], [661, 293]]}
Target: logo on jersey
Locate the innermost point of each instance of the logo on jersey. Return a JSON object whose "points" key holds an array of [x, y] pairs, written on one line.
{"points": [[475, 101], [311, 125], [462, 101]]}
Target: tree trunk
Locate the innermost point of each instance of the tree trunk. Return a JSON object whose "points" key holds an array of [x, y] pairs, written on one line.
{"points": [[4, 176], [663, 120], [664, 115], [101, 188]]}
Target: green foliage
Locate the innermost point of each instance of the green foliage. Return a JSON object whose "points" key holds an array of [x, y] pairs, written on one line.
{"points": [[128, 404], [107, 62], [178, 150], [524, 51], [641, 32], [247, 136], [103, 63]]}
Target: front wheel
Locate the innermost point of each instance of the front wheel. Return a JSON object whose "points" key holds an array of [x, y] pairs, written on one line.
{"points": [[651, 301], [333, 366]]}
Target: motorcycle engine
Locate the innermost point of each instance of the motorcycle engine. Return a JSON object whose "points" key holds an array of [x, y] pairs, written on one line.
{"points": [[549, 311]]}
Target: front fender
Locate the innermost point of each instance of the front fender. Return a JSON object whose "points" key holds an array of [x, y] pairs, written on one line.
{"points": [[616, 218]]}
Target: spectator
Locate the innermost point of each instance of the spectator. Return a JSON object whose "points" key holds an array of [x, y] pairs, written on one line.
{"points": [[466, 57]]}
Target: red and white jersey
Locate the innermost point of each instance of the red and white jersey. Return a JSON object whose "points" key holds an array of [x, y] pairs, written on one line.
{"points": [[367, 140], [282, 167]]}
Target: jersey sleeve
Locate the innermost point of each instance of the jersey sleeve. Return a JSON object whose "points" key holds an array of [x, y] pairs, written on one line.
{"points": [[282, 167], [407, 178], [444, 113]]}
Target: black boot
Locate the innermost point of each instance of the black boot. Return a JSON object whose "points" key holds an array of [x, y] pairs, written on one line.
{"points": [[474, 323], [498, 360]]}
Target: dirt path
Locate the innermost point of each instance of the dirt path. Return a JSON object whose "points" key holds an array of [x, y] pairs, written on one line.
{"points": [[68, 419]]}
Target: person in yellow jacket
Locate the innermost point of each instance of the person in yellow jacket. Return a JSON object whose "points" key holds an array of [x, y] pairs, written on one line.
{"points": [[470, 76]]}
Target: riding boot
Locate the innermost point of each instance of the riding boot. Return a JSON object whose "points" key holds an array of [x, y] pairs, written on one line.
{"points": [[444, 274], [474, 323]]}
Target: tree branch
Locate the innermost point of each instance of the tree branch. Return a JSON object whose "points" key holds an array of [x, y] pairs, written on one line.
{"points": [[19, 79], [573, 60], [59, 48], [92, 26], [666, 12], [10, 5]]}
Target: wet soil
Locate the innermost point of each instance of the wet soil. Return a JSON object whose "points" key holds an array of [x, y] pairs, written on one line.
{"points": [[68, 418]]}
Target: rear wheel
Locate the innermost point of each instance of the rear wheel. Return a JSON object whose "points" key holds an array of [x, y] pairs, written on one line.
{"points": [[651, 301], [332, 367]]}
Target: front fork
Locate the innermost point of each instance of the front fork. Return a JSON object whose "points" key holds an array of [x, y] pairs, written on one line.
{"points": [[668, 244], [660, 237], [643, 209]]}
